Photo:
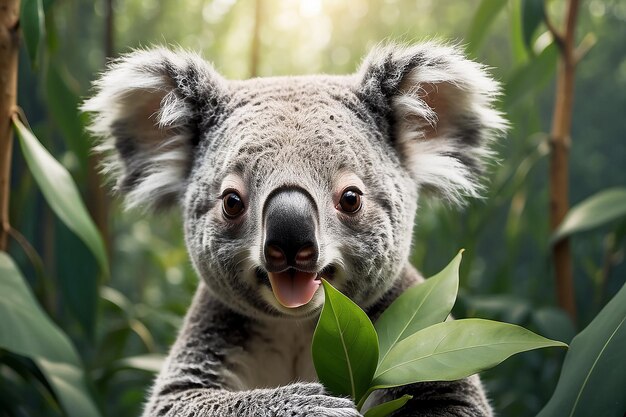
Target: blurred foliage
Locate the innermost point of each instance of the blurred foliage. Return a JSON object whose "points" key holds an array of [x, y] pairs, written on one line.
{"points": [[134, 314]]}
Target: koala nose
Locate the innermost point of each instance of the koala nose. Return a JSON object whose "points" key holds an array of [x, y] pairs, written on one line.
{"points": [[290, 223]]}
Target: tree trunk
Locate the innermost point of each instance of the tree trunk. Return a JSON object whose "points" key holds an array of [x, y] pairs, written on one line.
{"points": [[560, 143], [9, 51]]}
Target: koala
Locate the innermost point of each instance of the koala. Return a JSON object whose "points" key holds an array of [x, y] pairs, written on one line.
{"points": [[283, 181]]}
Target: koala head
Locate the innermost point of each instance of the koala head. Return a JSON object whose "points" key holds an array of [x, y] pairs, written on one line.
{"points": [[286, 180]]}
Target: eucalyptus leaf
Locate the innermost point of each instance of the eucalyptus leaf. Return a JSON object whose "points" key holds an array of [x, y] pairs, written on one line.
{"points": [[487, 11], [453, 350], [593, 377], [597, 210], [26, 330], [60, 192], [384, 409], [418, 307], [532, 16], [32, 21], [345, 347]]}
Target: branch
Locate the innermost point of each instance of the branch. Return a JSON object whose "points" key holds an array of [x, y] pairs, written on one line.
{"points": [[559, 158], [585, 46], [9, 48], [570, 26]]}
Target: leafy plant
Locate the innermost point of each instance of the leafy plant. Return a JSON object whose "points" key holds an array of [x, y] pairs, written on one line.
{"points": [[60, 192], [117, 329], [27, 331], [345, 348], [411, 342], [595, 211], [594, 372]]}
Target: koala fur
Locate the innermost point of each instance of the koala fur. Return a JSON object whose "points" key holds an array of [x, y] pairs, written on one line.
{"points": [[411, 120]]}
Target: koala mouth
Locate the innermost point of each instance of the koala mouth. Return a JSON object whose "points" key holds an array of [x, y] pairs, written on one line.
{"points": [[295, 288]]}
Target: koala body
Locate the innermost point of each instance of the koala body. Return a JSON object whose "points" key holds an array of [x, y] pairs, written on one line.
{"points": [[282, 181]]}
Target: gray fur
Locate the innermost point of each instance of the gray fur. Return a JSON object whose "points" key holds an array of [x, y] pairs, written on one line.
{"points": [[411, 119]]}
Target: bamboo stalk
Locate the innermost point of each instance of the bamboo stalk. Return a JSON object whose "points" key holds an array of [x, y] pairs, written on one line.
{"points": [[9, 49], [560, 142]]}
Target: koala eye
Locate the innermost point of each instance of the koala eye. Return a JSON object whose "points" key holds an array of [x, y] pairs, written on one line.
{"points": [[232, 204], [350, 201]]}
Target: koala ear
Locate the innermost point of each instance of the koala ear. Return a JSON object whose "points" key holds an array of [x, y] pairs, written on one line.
{"points": [[438, 107], [149, 110]]}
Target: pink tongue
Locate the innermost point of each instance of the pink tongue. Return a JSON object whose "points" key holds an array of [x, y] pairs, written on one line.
{"points": [[293, 288]]}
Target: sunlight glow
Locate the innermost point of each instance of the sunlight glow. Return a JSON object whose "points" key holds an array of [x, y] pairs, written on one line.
{"points": [[310, 8]]}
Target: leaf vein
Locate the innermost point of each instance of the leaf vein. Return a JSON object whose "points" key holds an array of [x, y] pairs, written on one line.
{"points": [[433, 354]]}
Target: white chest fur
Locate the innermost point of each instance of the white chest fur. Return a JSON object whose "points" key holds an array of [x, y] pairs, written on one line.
{"points": [[277, 354]]}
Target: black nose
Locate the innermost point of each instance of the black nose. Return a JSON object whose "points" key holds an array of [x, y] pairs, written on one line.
{"points": [[290, 222]]}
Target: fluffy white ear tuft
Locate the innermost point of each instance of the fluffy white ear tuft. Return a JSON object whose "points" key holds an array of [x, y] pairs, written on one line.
{"points": [[441, 109], [149, 110]]}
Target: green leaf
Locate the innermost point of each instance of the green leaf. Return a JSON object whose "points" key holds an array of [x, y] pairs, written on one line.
{"points": [[26, 330], [68, 384], [63, 103], [32, 21], [118, 299], [60, 192], [484, 17], [532, 76], [516, 38], [52, 33], [595, 211], [151, 362], [345, 348], [384, 409], [418, 307], [594, 372], [532, 16], [453, 350]]}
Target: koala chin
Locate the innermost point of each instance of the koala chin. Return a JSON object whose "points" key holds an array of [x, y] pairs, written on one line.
{"points": [[283, 181]]}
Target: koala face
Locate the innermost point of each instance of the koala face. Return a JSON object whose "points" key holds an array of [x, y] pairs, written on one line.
{"points": [[290, 154], [284, 181]]}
